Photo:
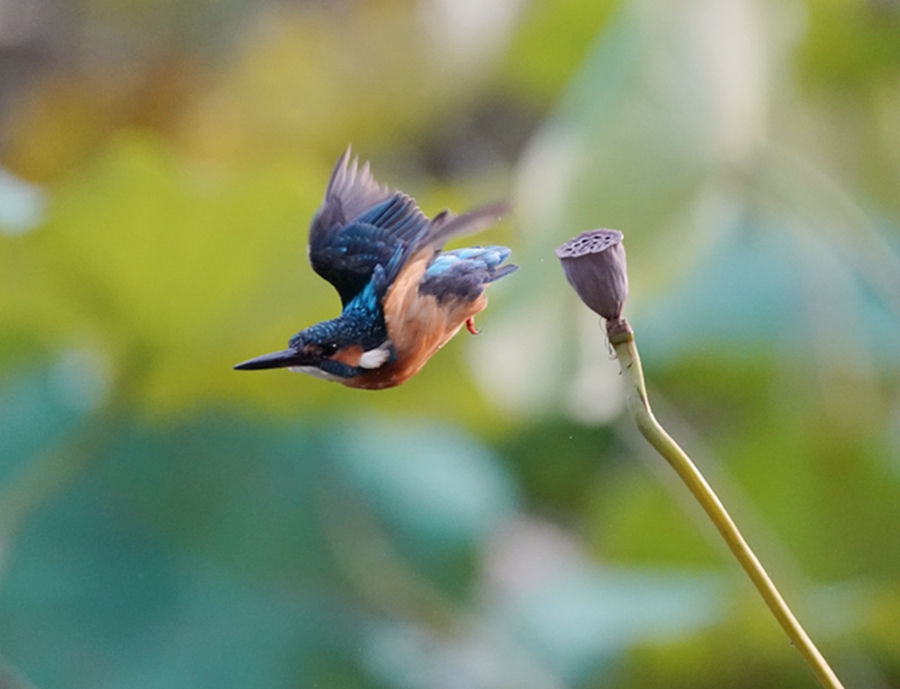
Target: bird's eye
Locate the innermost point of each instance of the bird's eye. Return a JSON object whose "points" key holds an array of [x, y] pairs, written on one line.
{"points": [[329, 348]]}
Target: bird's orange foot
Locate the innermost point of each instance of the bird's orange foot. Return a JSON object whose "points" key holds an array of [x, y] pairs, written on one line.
{"points": [[470, 325]]}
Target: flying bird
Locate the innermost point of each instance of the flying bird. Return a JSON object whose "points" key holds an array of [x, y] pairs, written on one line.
{"points": [[403, 297]]}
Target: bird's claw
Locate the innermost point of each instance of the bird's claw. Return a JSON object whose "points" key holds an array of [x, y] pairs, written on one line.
{"points": [[470, 325]]}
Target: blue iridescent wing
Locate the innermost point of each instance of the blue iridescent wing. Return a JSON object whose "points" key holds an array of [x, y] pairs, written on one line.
{"points": [[361, 225]]}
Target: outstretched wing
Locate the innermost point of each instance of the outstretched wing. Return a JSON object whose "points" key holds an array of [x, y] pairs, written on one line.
{"points": [[360, 225]]}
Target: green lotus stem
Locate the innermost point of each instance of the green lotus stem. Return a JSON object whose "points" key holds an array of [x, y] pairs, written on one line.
{"points": [[621, 337]]}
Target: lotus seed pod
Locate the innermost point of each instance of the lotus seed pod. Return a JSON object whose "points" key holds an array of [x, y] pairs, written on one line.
{"points": [[594, 264]]}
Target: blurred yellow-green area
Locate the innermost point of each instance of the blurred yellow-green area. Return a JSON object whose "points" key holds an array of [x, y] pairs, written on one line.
{"points": [[496, 522]]}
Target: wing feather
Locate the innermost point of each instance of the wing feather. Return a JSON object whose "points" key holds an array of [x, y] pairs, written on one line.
{"points": [[362, 224]]}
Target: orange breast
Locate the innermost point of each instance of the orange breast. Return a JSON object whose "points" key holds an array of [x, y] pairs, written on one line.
{"points": [[417, 325]]}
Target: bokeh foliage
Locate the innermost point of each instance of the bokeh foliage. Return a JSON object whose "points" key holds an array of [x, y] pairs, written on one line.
{"points": [[166, 522]]}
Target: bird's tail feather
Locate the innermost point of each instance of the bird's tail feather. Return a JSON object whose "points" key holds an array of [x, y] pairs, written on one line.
{"points": [[502, 271], [444, 226]]}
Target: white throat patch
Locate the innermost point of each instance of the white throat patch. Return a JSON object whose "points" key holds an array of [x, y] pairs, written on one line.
{"points": [[375, 357]]}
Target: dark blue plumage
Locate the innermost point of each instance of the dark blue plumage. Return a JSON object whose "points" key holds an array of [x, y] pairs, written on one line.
{"points": [[402, 297]]}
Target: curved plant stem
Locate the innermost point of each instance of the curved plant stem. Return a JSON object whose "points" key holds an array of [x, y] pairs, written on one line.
{"points": [[621, 337]]}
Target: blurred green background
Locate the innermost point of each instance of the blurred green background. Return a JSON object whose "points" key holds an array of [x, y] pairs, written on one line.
{"points": [[496, 522]]}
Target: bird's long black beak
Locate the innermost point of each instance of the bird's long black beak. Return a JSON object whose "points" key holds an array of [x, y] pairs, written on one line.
{"points": [[282, 359]]}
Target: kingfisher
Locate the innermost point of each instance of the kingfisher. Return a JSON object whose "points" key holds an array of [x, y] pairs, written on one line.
{"points": [[403, 297]]}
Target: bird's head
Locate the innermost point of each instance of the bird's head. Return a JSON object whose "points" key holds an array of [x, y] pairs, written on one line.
{"points": [[308, 348], [329, 350]]}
